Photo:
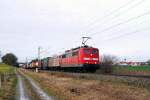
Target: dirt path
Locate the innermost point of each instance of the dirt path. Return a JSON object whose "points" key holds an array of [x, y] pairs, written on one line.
{"points": [[27, 89], [22, 95], [42, 95]]}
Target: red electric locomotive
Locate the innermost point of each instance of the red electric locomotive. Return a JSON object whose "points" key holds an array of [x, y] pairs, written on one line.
{"points": [[82, 58]]}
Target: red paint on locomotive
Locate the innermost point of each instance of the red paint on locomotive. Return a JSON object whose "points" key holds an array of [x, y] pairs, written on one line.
{"points": [[79, 57]]}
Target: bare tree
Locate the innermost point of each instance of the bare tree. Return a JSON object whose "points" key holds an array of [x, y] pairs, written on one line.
{"points": [[148, 62], [107, 63]]}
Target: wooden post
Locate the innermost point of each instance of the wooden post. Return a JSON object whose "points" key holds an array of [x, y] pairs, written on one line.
{"points": [[36, 70], [0, 81], [4, 78]]}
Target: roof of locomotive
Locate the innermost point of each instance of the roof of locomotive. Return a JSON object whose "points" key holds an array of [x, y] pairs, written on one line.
{"points": [[86, 46], [77, 48]]}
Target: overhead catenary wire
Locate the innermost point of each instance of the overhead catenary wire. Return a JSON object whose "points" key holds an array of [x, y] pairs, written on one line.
{"points": [[114, 11], [104, 19], [127, 34], [118, 24], [105, 16], [111, 13], [143, 22], [45, 50]]}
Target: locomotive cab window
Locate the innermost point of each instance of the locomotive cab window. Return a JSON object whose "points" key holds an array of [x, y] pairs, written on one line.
{"points": [[87, 51], [94, 51], [75, 53], [68, 55], [63, 56]]}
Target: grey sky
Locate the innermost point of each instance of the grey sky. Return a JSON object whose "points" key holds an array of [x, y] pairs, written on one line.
{"points": [[60, 24]]}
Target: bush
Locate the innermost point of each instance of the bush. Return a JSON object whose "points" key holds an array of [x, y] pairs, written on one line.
{"points": [[148, 62], [108, 61], [9, 59]]}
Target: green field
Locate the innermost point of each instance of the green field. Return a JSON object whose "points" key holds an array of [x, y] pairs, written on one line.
{"points": [[6, 69], [139, 68], [132, 68]]}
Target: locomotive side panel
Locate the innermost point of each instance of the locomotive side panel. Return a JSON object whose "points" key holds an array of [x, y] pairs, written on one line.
{"points": [[75, 58], [64, 61], [70, 59]]}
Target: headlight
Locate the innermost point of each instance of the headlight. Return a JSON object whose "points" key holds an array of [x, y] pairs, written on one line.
{"points": [[95, 58], [86, 58]]}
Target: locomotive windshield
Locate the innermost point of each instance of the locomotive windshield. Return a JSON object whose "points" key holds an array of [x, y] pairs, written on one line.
{"points": [[94, 51], [87, 51]]}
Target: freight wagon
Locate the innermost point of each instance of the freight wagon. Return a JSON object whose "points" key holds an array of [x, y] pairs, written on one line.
{"points": [[35, 64]]}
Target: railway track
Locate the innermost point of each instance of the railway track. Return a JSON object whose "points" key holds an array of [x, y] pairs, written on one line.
{"points": [[141, 81], [136, 76], [135, 80], [95, 74]]}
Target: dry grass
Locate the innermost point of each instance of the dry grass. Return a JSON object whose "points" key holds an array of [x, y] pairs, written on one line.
{"points": [[81, 89], [135, 73]]}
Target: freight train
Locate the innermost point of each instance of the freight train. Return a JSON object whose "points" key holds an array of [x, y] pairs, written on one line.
{"points": [[84, 58]]}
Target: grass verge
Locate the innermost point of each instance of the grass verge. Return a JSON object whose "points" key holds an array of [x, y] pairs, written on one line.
{"points": [[6, 69], [8, 90], [8, 83]]}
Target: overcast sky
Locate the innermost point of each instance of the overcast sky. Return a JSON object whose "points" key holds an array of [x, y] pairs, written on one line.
{"points": [[118, 27]]}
